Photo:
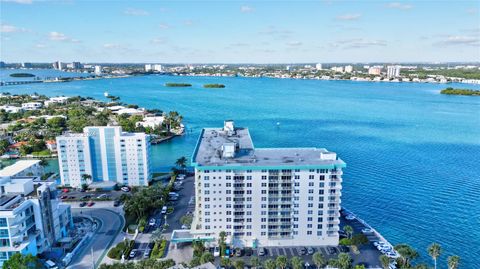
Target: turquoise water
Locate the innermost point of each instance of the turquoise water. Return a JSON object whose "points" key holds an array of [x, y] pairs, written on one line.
{"points": [[412, 154]]}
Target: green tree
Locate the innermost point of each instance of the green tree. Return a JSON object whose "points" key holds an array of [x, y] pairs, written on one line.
{"points": [[348, 230], [207, 257], [434, 250], [359, 239], [269, 264], [3, 146], [85, 179], [225, 262], [407, 254], [453, 262], [239, 264], [182, 163], [19, 261], [221, 242], [254, 262], [344, 261], [297, 263], [281, 261], [319, 260], [384, 261]]}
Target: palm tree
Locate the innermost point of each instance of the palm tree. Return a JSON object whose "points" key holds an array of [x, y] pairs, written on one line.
{"points": [[239, 264], [319, 260], [407, 254], [157, 235], [297, 263], [281, 261], [226, 262], [434, 250], [348, 230], [453, 262], [181, 162], [269, 264], [344, 261], [255, 262], [86, 178], [384, 261], [207, 257]]}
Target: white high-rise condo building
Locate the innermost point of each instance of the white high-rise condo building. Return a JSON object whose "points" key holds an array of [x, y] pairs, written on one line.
{"points": [[318, 66], [32, 219], [148, 67], [348, 69], [104, 155], [157, 67], [265, 196], [97, 70], [393, 71]]}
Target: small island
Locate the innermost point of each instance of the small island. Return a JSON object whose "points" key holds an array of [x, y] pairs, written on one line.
{"points": [[452, 91], [22, 75], [214, 86], [178, 85]]}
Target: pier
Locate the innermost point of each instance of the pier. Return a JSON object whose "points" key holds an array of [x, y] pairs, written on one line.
{"points": [[8, 83]]}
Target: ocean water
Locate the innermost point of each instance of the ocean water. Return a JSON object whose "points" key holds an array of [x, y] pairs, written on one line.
{"points": [[412, 154]]}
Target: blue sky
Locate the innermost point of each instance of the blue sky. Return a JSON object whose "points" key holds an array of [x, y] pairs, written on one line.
{"points": [[239, 31]]}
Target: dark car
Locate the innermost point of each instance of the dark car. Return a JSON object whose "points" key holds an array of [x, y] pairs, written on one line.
{"points": [[82, 204], [63, 197], [302, 250], [117, 203], [248, 252], [331, 250], [343, 248], [238, 252], [88, 196], [90, 204]]}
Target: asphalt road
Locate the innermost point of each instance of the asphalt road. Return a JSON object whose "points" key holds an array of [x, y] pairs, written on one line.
{"points": [[181, 206], [110, 224]]}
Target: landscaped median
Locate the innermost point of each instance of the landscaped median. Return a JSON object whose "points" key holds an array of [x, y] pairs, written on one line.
{"points": [[122, 248]]}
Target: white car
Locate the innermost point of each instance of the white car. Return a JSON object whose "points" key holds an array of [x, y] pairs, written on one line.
{"points": [[125, 189], [216, 252], [152, 222], [164, 210], [367, 230], [350, 217]]}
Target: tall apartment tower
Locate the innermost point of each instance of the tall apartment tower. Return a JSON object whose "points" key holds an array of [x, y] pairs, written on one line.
{"points": [[393, 71], [106, 154], [265, 196]]}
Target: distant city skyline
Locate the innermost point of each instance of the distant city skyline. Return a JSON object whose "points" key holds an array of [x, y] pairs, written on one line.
{"points": [[239, 31]]}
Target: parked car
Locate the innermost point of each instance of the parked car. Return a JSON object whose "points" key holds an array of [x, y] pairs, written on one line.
{"points": [[125, 189], [164, 210], [310, 251], [90, 204], [350, 217], [262, 252], [65, 190], [238, 252], [102, 196], [146, 254], [82, 204], [88, 196], [248, 251], [63, 197], [133, 253], [117, 203], [331, 250], [216, 252], [180, 176], [343, 248], [185, 227], [367, 230], [151, 222], [302, 251]]}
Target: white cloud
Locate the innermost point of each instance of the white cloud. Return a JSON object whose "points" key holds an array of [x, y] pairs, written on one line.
{"points": [[40, 46], [111, 46], [7, 28], [158, 41], [349, 17], [246, 9], [164, 26], [401, 6], [57, 36], [294, 43], [188, 22], [24, 2], [453, 40], [357, 43], [135, 12]]}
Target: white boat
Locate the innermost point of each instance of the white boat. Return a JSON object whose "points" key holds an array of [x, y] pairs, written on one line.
{"points": [[106, 94]]}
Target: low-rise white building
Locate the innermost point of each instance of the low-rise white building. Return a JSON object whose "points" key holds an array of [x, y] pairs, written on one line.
{"points": [[32, 105], [11, 109], [56, 100], [152, 122]]}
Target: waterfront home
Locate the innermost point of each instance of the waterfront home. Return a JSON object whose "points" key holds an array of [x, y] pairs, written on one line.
{"points": [[32, 105], [11, 109], [56, 100], [51, 145], [153, 122]]}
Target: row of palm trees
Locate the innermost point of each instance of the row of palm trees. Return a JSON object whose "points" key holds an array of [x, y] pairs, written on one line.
{"points": [[408, 254]]}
